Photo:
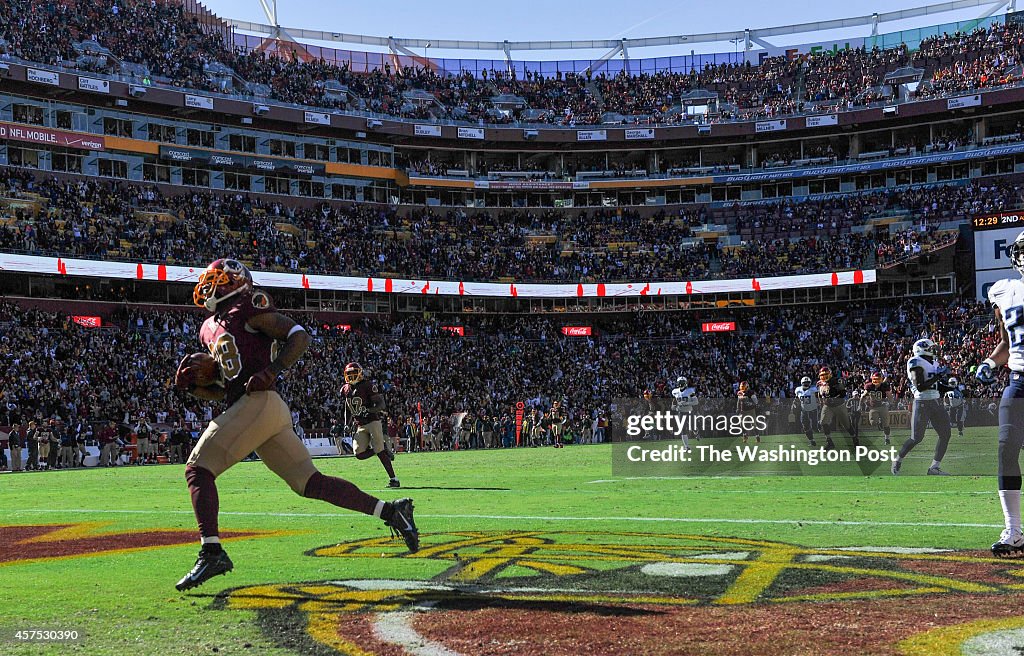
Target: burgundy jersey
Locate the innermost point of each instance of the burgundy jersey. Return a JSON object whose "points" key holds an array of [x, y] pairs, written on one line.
{"points": [[239, 350], [360, 396], [746, 401], [877, 393]]}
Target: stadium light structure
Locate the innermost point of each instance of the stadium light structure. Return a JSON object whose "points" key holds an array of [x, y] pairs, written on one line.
{"points": [[615, 47]]}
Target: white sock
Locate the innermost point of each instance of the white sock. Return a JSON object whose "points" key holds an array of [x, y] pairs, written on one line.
{"points": [[686, 441], [1010, 500], [213, 539], [935, 464], [380, 507]]}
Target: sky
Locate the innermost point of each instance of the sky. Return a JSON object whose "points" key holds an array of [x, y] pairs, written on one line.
{"points": [[566, 19]]}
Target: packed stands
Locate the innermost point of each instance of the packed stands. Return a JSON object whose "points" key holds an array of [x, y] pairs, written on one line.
{"points": [[55, 368], [165, 42], [100, 219]]}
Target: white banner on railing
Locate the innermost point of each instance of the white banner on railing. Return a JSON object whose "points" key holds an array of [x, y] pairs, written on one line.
{"points": [[964, 101], [90, 84], [822, 121], [421, 130], [162, 273], [317, 118], [198, 102], [633, 134], [43, 77], [591, 135], [770, 126], [471, 133]]}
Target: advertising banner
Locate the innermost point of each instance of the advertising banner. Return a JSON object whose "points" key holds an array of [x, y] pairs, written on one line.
{"points": [[17, 132]]}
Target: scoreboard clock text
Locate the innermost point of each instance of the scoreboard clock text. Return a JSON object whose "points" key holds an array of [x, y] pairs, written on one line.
{"points": [[997, 221]]}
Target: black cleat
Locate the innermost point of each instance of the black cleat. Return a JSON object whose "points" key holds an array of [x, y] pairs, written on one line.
{"points": [[403, 524], [1010, 544], [811, 441], [210, 563], [394, 483]]}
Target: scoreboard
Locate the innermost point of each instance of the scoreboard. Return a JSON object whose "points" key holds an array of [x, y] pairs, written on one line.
{"points": [[998, 221], [993, 234]]}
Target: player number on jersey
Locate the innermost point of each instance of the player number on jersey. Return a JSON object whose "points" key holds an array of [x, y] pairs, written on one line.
{"points": [[225, 350], [1013, 320]]}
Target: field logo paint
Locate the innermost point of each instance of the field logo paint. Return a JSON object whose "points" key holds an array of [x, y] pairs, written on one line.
{"points": [[36, 543], [540, 574]]}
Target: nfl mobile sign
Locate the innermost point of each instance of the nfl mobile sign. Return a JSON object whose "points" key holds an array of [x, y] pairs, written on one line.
{"points": [[718, 326]]}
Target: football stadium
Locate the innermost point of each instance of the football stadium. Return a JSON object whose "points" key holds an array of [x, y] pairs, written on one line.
{"points": [[322, 343]]}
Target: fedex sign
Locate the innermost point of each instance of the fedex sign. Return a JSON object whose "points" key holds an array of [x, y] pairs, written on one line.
{"points": [[992, 256]]}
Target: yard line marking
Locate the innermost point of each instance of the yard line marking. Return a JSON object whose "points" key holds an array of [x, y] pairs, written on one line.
{"points": [[801, 491], [552, 518]]}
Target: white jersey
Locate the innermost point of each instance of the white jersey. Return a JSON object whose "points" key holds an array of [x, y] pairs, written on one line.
{"points": [[955, 397], [1008, 296], [685, 399], [808, 398], [929, 369]]}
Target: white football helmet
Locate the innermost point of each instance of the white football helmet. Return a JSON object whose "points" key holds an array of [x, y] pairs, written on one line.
{"points": [[682, 383], [924, 347], [953, 382], [805, 382], [1017, 254]]}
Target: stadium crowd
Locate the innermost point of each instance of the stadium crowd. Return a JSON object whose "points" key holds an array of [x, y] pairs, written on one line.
{"points": [[68, 383], [138, 223], [172, 45]]}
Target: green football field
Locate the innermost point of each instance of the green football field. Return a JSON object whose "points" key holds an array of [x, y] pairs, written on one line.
{"points": [[526, 551]]}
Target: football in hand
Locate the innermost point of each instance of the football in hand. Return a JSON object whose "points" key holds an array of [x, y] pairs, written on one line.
{"points": [[205, 368]]}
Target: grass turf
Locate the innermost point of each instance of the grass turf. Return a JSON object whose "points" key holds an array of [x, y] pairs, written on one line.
{"points": [[125, 602]]}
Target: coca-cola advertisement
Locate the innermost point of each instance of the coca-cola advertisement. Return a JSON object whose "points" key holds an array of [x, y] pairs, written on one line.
{"points": [[88, 321], [577, 331], [718, 326]]}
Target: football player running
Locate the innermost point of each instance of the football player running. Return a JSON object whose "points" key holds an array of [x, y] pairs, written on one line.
{"points": [[746, 406], [1008, 298], [253, 344], [955, 406], [876, 393], [684, 402], [805, 403], [832, 393], [558, 418], [854, 404], [366, 403], [928, 383]]}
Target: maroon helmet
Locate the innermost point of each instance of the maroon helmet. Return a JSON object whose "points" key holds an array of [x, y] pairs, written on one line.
{"points": [[221, 280]]}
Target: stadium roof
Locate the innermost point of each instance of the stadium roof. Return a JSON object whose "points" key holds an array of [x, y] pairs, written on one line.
{"points": [[751, 38]]}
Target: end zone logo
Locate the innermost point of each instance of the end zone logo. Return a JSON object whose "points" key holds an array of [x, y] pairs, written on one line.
{"points": [[566, 593]]}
